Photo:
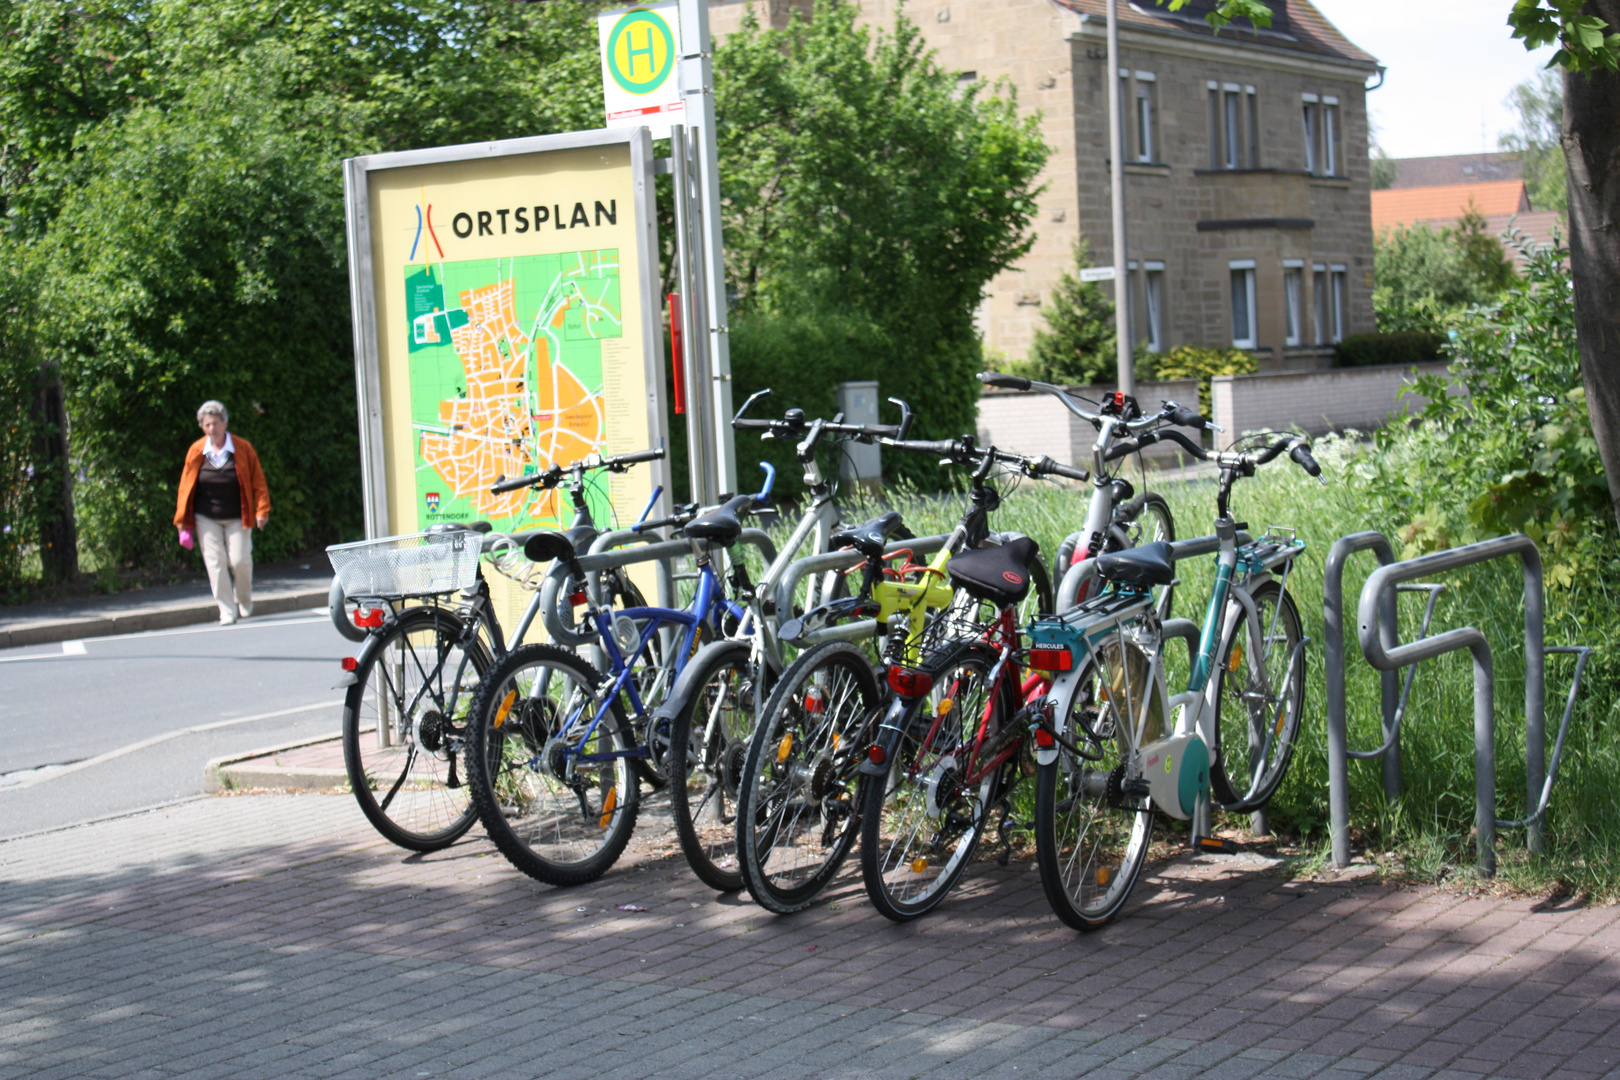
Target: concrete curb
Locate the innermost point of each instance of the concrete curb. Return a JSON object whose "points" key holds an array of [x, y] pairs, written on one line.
{"points": [[160, 617], [226, 774]]}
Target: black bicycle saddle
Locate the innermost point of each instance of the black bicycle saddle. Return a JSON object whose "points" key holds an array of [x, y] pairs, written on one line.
{"points": [[1150, 564], [998, 574], [869, 537], [721, 525]]}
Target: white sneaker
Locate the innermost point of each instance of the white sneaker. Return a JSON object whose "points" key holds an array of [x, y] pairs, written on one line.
{"points": [[245, 612], [227, 620]]}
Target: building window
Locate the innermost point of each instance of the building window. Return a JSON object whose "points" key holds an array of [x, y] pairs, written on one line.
{"points": [[1321, 134], [1309, 105], [1319, 303], [1254, 127], [1243, 304], [1230, 93], [1294, 299], [1233, 126], [1136, 126], [1153, 286], [1338, 303], [1214, 125]]}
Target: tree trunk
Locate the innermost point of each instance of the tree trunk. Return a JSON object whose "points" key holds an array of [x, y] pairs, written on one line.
{"points": [[58, 534], [1591, 140]]}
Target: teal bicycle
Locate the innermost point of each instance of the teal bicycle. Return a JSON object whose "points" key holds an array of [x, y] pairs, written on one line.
{"points": [[1113, 747]]}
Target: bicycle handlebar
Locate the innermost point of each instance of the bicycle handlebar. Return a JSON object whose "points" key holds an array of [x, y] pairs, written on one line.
{"points": [[794, 422], [966, 451], [550, 478]]}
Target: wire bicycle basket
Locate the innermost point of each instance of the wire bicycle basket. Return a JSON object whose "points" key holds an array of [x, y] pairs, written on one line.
{"points": [[417, 564]]}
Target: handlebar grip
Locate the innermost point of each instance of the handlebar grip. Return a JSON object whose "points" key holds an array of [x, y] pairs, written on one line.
{"points": [[512, 484], [1301, 453], [944, 447], [1047, 467], [1131, 446], [879, 431], [1006, 382], [637, 457], [1185, 417], [752, 425]]}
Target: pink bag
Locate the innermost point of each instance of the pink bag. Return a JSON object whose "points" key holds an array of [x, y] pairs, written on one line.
{"points": [[187, 541]]}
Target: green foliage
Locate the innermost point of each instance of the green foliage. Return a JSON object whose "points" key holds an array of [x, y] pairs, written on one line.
{"points": [[1582, 43], [23, 480], [1395, 347], [1423, 275], [1196, 362], [172, 169], [1530, 462], [863, 188], [1077, 345], [1539, 102]]}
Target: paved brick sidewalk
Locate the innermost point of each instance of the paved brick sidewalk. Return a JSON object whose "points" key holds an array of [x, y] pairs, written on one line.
{"points": [[274, 936]]}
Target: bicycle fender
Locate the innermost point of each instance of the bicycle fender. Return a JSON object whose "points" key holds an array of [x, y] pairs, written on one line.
{"points": [[685, 684], [340, 614], [894, 723]]}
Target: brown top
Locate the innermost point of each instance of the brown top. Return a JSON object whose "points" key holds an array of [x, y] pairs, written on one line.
{"points": [[1296, 26], [250, 479]]}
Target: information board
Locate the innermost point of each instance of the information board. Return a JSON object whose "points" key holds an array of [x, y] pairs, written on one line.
{"points": [[505, 319]]}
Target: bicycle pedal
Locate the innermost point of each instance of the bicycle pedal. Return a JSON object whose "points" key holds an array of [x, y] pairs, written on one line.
{"points": [[1210, 845]]}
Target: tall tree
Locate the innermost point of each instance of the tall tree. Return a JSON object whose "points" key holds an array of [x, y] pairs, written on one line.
{"points": [[1539, 101]]}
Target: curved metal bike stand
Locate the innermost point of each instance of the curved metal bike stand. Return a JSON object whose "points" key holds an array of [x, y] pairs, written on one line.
{"points": [[1376, 634], [844, 559]]}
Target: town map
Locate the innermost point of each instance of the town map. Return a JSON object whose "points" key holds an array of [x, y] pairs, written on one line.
{"points": [[506, 378]]}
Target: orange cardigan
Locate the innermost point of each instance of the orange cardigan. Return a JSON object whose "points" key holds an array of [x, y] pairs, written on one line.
{"points": [[255, 496]]}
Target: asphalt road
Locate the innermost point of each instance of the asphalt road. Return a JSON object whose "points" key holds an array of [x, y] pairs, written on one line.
{"points": [[108, 725]]}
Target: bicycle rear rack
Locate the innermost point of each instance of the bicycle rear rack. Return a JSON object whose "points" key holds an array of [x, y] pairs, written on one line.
{"points": [[1378, 635]]}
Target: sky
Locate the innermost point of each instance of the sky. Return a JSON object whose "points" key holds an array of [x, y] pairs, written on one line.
{"points": [[1451, 64]]}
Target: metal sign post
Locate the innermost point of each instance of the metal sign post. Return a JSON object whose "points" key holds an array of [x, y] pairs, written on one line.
{"points": [[697, 85], [1116, 176]]}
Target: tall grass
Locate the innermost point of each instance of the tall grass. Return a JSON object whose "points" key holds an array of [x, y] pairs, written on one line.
{"points": [[1427, 833]]}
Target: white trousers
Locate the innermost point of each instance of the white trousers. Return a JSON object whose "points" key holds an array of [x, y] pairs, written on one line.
{"points": [[227, 551]]}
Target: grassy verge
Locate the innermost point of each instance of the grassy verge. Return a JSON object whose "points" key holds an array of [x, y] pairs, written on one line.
{"points": [[1426, 835]]}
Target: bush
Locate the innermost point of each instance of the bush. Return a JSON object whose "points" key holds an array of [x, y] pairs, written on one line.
{"points": [[1396, 347], [1077, 344], [1195, 362], [1424, 276]]}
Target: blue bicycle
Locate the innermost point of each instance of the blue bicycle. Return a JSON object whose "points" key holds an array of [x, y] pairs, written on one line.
{"points": [[551, 747]]}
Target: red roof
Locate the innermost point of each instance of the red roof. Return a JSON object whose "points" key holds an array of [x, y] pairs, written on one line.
{"points": [[1408, 206]]}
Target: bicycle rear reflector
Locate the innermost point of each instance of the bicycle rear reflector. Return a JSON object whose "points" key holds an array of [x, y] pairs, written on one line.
{"points": [[577, 599], [350, 663], [815, 700], [909, 683], [1051, 657], [368, 619], [876, 754]]}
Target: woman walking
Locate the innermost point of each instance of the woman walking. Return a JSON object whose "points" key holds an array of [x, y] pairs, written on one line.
{"points": [[222, 499]]}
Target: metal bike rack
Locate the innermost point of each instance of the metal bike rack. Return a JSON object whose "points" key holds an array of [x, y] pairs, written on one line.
{"points": [[844, 559], [1377, 634]]}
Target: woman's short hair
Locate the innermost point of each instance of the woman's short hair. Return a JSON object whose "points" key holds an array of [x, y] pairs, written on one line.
{"points": [[215, 407]]}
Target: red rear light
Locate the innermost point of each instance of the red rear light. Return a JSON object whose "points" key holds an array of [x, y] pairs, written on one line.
{"points": [[349, 663], [815, 700], [1051, 658], [876, 755], [368, 619], [909, 683], [577, 599], [1044, 739]]}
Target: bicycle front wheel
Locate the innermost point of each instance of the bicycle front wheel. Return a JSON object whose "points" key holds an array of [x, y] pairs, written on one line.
{"points": [[1091, 835], [1261, 696], [404, 724], [553, 787], [920, 827], [797, 806], [713, 727]]}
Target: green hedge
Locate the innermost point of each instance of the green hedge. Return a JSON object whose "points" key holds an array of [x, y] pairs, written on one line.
{"points": [[1395, 347]]}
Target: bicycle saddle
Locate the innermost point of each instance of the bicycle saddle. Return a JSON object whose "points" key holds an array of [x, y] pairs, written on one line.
{"points": [[1150, 564], [441, 527], [998, 574], [722, 525], [869, 537]]}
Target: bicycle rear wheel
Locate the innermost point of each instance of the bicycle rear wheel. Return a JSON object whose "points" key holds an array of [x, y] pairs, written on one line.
{"points": [[1259, 703], [797, 806], [919, 827], [404, 724], [713, 727], [560, 803], [1091, 836]]}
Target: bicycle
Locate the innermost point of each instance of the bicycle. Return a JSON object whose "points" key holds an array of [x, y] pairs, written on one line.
{"points": [[1113, 747], [550, 746], [803, 791], [424, 658]]}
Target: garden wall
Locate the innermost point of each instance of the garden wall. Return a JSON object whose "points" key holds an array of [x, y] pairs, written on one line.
{"points": [[1317, 401], [1028, 423]]}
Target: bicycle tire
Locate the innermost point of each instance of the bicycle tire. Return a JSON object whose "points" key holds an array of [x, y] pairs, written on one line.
{"points": [[1250, 741], [424, 804], [906, 872], [1091, 839], [804, 762], [713, 726], [559, 825], [654, 678]]}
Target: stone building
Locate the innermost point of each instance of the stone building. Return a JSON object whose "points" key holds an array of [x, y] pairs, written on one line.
{"points": [[1247, 211]]}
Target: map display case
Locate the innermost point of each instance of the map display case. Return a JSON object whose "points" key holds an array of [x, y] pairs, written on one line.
{"points": [[505, 317]]}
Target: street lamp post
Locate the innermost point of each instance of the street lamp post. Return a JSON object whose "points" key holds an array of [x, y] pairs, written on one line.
{"points": [[1116, 180]]}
